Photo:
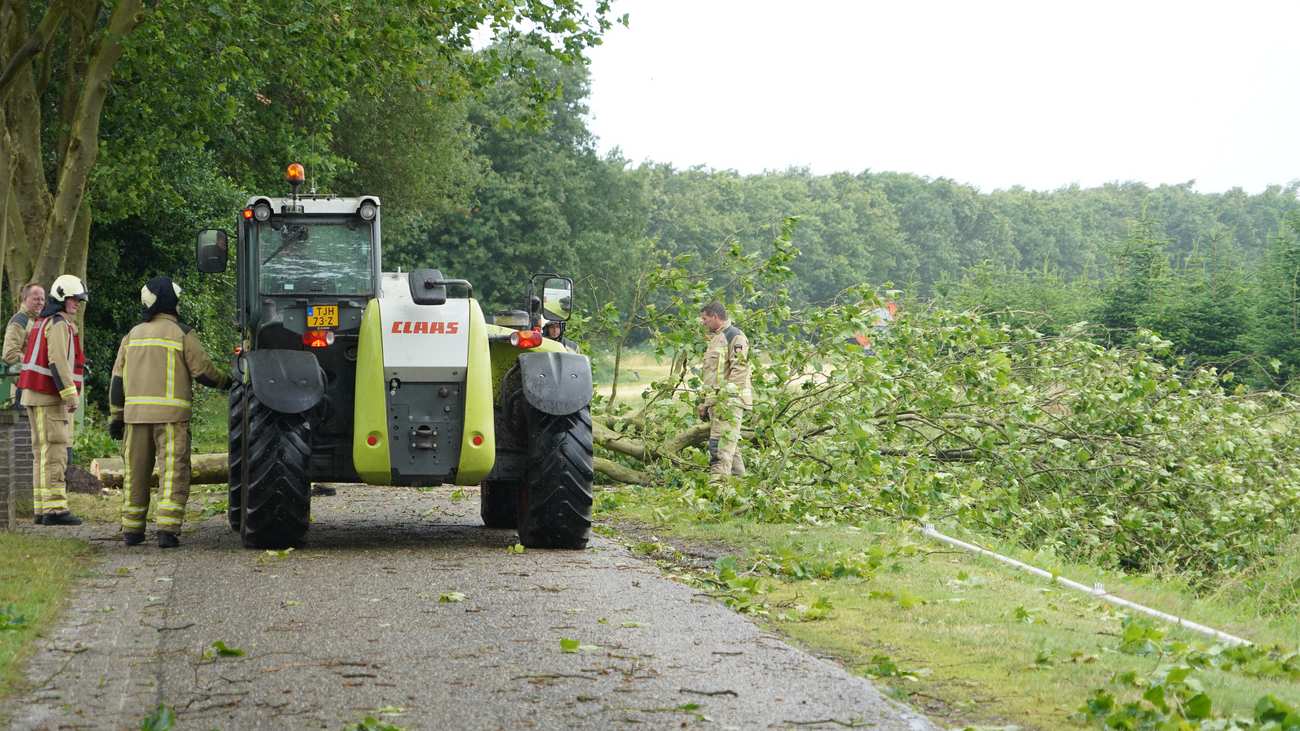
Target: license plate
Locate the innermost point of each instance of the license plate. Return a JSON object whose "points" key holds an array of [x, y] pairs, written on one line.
{"points": [[323, 316]]}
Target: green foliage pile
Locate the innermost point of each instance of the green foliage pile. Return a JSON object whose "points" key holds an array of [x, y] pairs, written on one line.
{"points": [[1110, 455]]}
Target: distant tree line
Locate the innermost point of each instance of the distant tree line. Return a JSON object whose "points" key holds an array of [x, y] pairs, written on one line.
{"points": [[1213, 273]]}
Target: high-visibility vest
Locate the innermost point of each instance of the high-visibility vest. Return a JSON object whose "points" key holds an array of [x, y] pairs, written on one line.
{"points": [[36, 372]]}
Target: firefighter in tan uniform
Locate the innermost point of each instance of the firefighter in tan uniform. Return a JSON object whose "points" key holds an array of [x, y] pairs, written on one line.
{"points": [[726, 389], [20, 326], [149, 402], [53, 370]]}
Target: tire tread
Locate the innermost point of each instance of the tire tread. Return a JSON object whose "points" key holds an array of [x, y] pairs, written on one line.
{"points": [[277, 500], [555, 504]]}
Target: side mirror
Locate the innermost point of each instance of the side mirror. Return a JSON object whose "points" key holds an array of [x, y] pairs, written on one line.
{"points": [[427, 287], [556, 296], [212, 250]]}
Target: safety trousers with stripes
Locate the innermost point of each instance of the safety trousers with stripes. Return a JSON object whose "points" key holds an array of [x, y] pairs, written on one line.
{"points": [[166, 446], [51, 436]]}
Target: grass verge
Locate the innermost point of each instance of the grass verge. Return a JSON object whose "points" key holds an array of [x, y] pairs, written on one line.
{"points": [[36, 574], [961, 638]]}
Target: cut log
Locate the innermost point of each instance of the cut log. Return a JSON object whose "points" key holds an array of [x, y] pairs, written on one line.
{"points": [[205, 469]]}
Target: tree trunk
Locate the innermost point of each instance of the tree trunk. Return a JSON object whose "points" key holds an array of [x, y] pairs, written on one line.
{"points": [[83, 143], [205, 469]]}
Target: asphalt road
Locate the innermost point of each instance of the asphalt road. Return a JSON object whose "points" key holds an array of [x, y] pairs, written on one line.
{"points": [[356, 624]]}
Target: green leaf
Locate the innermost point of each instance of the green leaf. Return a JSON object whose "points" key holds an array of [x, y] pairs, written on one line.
{"points": [[569, 645], [223, 650], [1155, 695], [163, 718], [450, 597], [1197, 707], [10, 619]]}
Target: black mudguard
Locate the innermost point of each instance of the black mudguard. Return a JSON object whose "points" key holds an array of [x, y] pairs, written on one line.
{"points": [[287, 381], [556, 383]]}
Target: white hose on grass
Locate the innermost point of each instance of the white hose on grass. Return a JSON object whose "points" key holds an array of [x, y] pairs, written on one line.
{"points": [[1096, 590]]}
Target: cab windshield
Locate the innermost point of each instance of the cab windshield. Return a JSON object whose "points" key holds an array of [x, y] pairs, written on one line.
{"points": [[317, 256]]}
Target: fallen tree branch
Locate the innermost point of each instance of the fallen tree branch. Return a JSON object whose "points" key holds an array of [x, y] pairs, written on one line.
{"points": [[620, 473], [692, 437], [615, 442]]}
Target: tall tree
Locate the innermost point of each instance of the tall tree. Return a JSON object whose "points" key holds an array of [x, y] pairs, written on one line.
{"points": [[546, 202], [250, 81], [1140, 274], [1275, 330]]}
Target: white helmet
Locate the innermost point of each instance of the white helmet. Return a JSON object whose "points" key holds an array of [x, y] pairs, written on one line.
{"points": [[148, 298], [68, 285]]}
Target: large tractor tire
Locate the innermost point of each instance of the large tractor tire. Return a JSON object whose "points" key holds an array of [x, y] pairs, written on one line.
{"points": [[555, 502], [276, 500], [499, 499], [498, 503], [234, 454]]}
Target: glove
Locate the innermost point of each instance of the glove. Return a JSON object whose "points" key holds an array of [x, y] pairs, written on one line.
{"points": [[117, 429]]}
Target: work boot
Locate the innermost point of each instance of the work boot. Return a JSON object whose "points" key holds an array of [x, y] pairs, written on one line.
{"points": [[61, 519], [133, 539], [167, 540], [40, 519]]}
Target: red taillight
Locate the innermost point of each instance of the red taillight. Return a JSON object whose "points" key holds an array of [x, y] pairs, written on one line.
{"points": [[525, 339], [477, 440], [318, 338], [372, 440], [248, 213]]}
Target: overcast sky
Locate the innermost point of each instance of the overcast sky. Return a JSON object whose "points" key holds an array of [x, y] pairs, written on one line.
{"points": [[1040, 94]]}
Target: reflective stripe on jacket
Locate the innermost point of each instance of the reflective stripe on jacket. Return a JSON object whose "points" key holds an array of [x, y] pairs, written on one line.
{"points": [[53, 362], [153, 374]]}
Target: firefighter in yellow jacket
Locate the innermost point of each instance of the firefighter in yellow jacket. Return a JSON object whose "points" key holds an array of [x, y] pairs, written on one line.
{"points": [[51, 378], [727, 391], [149, 402]]}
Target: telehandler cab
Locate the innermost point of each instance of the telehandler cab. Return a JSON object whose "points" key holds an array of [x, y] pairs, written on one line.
{"points": [[347, 373]]}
